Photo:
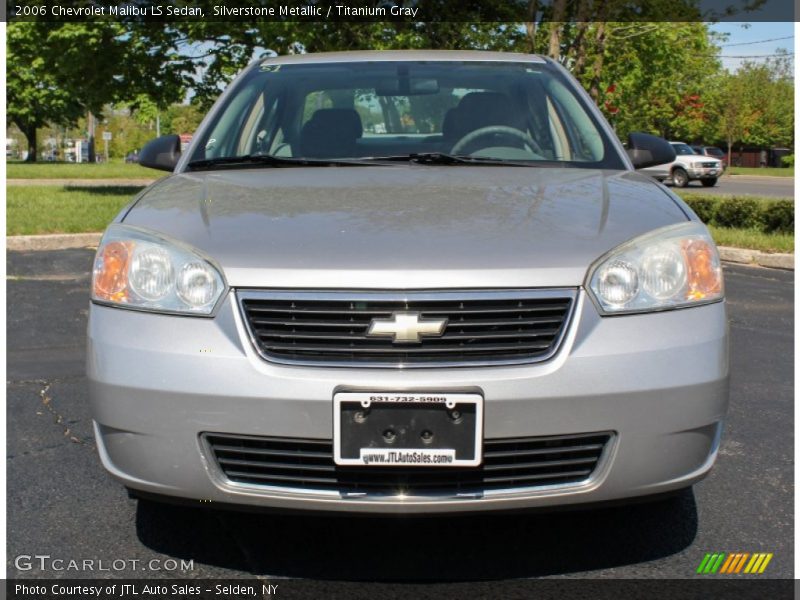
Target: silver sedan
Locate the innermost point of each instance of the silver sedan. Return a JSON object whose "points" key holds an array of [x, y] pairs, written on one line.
{"points": [[407, 282]]}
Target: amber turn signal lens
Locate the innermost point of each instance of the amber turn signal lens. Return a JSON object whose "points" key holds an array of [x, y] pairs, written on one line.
{"points": [[704, 274], [111, 271]]}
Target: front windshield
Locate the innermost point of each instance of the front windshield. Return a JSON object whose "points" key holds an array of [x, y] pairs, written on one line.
{"points": [[683, 150], [363, 110]]}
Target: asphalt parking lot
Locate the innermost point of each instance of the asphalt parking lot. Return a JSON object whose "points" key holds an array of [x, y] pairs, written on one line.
{"points": [[61, 502], [776, 187]]}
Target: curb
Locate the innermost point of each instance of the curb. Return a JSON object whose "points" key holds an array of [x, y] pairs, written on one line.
{"points": [[756, 257], [61, 241], [737, 175], [57, 241]]}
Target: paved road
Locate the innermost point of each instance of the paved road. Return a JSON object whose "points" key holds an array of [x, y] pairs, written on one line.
{"points": [[778, 187], [61, 503]]}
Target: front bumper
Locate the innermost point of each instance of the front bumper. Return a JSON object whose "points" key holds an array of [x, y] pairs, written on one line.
{"points": [[658, 382], [704, 173]]}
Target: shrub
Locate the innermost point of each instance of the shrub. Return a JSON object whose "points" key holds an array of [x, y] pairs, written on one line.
{"points": [[778, 217], [742, 212], [704, 206], [738, 212], [788, 161]]}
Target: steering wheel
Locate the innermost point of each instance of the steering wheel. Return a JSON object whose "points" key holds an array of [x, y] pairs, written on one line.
{"points": [[512, 132]]}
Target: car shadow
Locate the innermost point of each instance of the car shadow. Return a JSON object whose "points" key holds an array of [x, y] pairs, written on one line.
{"points": [[106, 190], [482, 547]]}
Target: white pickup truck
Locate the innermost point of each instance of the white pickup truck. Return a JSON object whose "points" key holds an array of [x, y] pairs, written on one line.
{"points": [[687, 166]]}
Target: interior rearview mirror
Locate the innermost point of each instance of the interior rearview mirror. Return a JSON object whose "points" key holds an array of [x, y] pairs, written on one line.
{"points": [[407, 86]]}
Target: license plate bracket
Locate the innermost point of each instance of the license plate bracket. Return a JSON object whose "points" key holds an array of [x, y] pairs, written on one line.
{"points": [[407, 429]]}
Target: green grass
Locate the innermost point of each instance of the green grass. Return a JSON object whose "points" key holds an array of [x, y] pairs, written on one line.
{"points": [[54, 209], [753, 239], [51, 170], [771, 171]]}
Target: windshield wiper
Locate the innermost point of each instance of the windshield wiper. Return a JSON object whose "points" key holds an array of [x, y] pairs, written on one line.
{"points": [[423, 158], [442, 158], [250, 160]]}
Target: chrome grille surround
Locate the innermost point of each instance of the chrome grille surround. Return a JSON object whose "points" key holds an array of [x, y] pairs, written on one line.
{"points": [[499, 301]]}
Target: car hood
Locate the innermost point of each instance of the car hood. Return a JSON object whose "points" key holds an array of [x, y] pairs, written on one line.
{"points": [[406, 226]]}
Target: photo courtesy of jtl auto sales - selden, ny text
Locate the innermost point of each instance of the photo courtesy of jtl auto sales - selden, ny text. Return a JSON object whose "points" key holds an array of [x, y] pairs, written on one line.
{"points": [[399, 299]]}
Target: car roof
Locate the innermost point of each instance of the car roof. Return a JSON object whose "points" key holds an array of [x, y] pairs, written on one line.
{"points": [[402, 55]]}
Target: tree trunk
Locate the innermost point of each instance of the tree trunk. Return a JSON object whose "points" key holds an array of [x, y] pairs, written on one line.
{"points": [[30, 135], [597, 71], [556, 27], [579, 43], [730, 150], [554, 48], [530, 26]]}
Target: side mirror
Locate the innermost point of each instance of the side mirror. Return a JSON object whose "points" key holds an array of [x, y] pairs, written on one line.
{"points": [[647, 150], [161, 153]]}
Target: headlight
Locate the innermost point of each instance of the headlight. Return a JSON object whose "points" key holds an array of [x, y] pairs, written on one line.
{"points": [[669, 268], [138, 269]]}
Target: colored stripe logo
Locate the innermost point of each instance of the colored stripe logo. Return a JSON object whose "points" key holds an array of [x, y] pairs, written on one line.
{"points": [[734, 563]]}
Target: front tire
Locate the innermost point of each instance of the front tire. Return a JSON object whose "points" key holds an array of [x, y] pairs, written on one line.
{"points": [[709, 182], [680, 178]]}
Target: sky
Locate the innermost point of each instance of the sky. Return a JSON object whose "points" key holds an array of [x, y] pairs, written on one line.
{"points": [[753, 40]]}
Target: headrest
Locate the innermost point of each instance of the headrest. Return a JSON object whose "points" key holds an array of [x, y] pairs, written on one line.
{"points": [[331, 133], [481, 109], [347, 121]]}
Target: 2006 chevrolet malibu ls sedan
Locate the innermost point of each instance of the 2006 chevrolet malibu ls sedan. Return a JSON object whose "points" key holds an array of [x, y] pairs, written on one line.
{"points": [[407, 282]]}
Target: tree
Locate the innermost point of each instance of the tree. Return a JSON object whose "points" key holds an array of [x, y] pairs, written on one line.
{"points": [[756, 105], [130, 62], [644, 70], [181, 118], [47, 66], [645, 76], [659, 75], [34, 94], [128, 133]]}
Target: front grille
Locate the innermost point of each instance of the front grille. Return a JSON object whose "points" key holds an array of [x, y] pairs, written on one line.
{"points": [[508, 464], [709, 165], [481, 328]]}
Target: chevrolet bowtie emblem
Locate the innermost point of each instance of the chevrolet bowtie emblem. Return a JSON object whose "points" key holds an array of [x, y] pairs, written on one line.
{"points": [[406, 327]]}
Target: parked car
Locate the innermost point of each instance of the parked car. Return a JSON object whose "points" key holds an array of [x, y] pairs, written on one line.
{"points": [[479, 305], [132, 157], [687, 166], [713, 152]]}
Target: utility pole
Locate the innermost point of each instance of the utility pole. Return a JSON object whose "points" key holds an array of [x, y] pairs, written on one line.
{"points": [[90, 133], [158, 124], [106, 139]]}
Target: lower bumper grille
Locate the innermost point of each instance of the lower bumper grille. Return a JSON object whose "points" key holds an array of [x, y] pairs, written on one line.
{"points": [[509, 464]]}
